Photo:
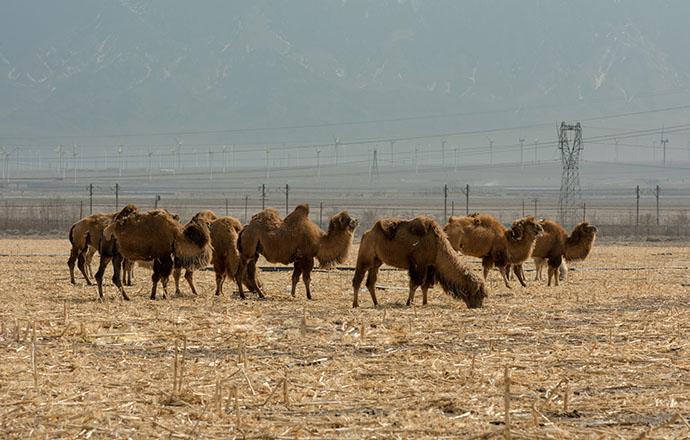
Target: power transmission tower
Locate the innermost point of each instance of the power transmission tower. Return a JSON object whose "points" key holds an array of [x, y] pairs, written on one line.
{"points": [[571, 150], [336, 147], [119, 160], [318, 163], [374, 168], [74, 161], [663, 141], [491, 152], [522, 152]]}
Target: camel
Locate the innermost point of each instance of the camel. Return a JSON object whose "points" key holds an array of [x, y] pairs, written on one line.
{"points": [[295, 239], [155, 235], [556, 247], [420, 246], [483, 236], [85, 236], [225, 259]]}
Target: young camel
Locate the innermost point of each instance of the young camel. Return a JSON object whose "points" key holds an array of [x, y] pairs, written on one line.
{"points": [[483, 236], [420, 246], [156, 235], [555, 248], [295, 239]]}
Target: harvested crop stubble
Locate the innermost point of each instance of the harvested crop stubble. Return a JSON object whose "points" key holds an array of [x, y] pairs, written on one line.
{"points": [[604, 355]]}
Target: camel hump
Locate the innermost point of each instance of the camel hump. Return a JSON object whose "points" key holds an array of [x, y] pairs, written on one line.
{"points": [[127, 211], [388, 227], [229, 222], [301, 210], [268, 216], [421, 225]]}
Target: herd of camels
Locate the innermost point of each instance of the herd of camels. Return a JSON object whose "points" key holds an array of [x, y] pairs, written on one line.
{"points": [[430, 253]]}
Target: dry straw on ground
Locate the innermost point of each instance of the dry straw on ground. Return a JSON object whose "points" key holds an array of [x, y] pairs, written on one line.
{"points": [[605, 355]]}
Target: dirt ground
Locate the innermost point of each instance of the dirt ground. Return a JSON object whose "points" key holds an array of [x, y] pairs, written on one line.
{"points": [[605, 355]]}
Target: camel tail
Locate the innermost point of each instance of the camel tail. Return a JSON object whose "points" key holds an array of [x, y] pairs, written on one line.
{"points": [[71, 233], [457, 279]]}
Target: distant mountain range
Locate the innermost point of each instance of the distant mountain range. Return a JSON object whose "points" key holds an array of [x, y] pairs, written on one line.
{"points": [[103, 66]]}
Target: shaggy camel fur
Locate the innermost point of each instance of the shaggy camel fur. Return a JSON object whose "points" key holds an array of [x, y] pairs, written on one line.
{"points": [[420, 246], [208, 217], [556, 248], [483, 236], [295, 239], [156, 235], [86, 236]]}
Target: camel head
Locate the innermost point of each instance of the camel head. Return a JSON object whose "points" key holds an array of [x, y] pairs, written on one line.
{"points": [[207, 216], [525, 226], [342, 222], [456, 228], [584, 230]]}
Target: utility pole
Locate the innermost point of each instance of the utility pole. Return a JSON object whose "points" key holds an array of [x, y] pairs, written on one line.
{"points": [[522, 152], [117, 196], [416, 159], [336, 148], [318, 163], [523, 207], [663, 141], [119, 160], [321, 214], [445, 202], [74, 161], [287, 198], [268, 169], [443, 153], [177, 150], [263, 196], [570, 177], [227, 208], [491, 152], [467, 199], [156, 200], [90, 198], [637, 207], [246, 205], [657, 193], [535, 207], [150, 154], [584, 212], [210, 163]]}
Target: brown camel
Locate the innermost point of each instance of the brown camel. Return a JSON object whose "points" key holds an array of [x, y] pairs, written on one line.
{"points": [[556, 247], [420, 246], [226, 258], [156, 235], [483, 236], [295, 239], [85, 237]]}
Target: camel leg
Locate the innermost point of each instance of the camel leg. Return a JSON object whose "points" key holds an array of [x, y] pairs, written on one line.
{"points": [[307, 266], [371, 282], [220, 279], [189, 276], [487, 264], [102, 264], [504, 274], [70, 263], [410, 296], [563, 271], [254, 283], [519, 274], [81, 260], [538, 266], [177, 273], [88, 258], [117, 272], [296, 272], [241, 274], [554, 265], [360, 270]]}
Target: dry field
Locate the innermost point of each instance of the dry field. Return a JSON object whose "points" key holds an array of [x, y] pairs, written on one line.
{"points": [[605, 355]]}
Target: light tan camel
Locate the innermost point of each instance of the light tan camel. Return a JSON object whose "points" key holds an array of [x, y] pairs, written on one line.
{"points": [[295, 239], [420, 246]]}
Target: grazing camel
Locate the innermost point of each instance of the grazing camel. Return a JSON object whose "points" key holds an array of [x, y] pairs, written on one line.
{"points": [[420, 246], [556, 247], [295, 239], [483, 236], [156, 235]]}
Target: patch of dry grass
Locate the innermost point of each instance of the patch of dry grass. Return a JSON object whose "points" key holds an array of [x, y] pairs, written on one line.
{"points": [[604, 355]]}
